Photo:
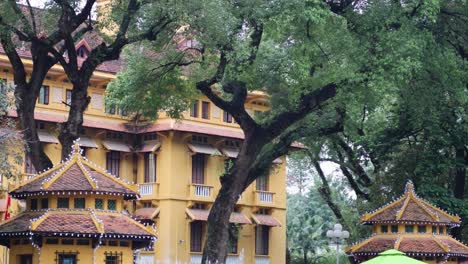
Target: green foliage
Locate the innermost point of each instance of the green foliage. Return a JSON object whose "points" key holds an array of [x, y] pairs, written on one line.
{"points": [[11, 144], [149, 88]]}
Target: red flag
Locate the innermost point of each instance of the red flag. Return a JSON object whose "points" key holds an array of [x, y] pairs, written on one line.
{"points": [[7, 207]]}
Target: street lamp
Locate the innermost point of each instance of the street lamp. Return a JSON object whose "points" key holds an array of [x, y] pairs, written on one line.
{"points": [[336, 236]]}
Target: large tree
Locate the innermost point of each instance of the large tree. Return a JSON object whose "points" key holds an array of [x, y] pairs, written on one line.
{"points": [[50, 34], [293, 51]]}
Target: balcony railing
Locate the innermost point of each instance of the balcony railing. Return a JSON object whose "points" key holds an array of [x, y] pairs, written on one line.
{"points": [[148, 190], [145, 258], [195, 258], [262, 260], [201, 192], [264, 197]]}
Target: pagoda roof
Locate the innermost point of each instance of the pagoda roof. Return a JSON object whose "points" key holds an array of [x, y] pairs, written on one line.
{"points": [[76, 223], [410, 208], [76, 175], [411, 244]]}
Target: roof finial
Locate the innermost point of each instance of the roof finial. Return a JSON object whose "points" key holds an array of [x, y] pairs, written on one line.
{"points": [[409, 186], [76, 149]]}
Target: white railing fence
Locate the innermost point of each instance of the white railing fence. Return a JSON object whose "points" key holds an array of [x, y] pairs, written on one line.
{"points": [[195, 259], [146, 189], [145, 259], [265, 197], [203, 191], [262, 260]]}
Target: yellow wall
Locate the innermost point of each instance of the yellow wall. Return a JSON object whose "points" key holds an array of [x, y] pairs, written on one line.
{"points": [[172, 188]]}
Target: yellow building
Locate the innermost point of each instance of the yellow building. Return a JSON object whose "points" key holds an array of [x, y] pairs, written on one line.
{"points": [[413, 226], [175, 163], [74, 214]]}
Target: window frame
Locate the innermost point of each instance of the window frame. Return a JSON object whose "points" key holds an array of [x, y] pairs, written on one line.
{"points": [[198, 168], [34, 204], [114, 206], [63, 199], [113, 159], [44, 93], [196, 236], [194, 111], [150, 171], [205, 110], [78, 200], [262, 240]]}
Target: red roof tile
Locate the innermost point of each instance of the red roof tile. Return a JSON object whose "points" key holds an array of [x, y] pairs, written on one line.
{"points": [[146, 213], [202, 215], [73, 175], [410, 208], [62, 222], [419, 245], [266, 220]]}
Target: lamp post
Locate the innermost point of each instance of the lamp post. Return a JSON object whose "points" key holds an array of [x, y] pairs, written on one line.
{"points": [[336, 236]]}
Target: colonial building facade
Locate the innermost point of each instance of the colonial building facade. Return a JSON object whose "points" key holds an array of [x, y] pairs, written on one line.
{"points": [[413, 226], [176, 165]]}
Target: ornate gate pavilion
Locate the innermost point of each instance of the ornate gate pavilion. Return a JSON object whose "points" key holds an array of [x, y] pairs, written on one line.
{"points": [[74, 214], [414, 226]]}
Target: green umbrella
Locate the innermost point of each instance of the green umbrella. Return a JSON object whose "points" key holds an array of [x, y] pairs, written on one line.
{"points": [[393, 256]]}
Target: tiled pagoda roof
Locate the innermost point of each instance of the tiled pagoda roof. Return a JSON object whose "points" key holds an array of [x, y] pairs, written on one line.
{"points": [[412, 245], [75, 223], [409, 208], [77, 175]]}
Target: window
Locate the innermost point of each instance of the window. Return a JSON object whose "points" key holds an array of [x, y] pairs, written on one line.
{"points": [[409, 229], [114, 135], [82, 51], [79, 203], [44, 203], [82, 242], [28, 165], [25, 259], [150, 167], [33, 204], [67, 241], [150, 136], [113, 162], [262, 183], [198, 169], [123, 112], [384, 228], [68, 96], [421, 229], [441, 230], [394, 228], [62, 203], [233, 239], [124, 243], [113, 257], [113, 243], [99, 204], [44, 95], [111, 205], [52, 241], [199, 139], [262, 236], [194, 109], [227, 117], [196, 236], [3, 86], [232, 143], [146, 204], [205, 110], [66, 257]]}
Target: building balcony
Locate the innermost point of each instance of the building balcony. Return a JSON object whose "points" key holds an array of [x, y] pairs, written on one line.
{"points": [[149, 191], [264, 198], [262, 260], [201, 192], [145, 257]]}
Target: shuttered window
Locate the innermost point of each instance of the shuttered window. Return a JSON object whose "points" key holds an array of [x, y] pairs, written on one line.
{"points": [[205, 110], [227, 117], [262, 237], [194, 109], [44, 95], [113, 162], [150, 167], [198, 169], [262, 183], [68, 96], [196, 236]]}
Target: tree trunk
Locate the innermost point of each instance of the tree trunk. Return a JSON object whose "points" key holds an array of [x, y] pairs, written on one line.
{"points": [[459, 183], [25, 103], [70, 130], [215, 250]]}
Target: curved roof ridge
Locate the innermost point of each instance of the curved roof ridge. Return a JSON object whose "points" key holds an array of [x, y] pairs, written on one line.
{"points": [[407, 207]]}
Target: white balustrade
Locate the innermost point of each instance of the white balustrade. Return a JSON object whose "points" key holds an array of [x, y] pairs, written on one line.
{"points": [[146, 189], [262, 260], [146, 259], [265, 197], [234, 260], [195, 259], [201, 190]]}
